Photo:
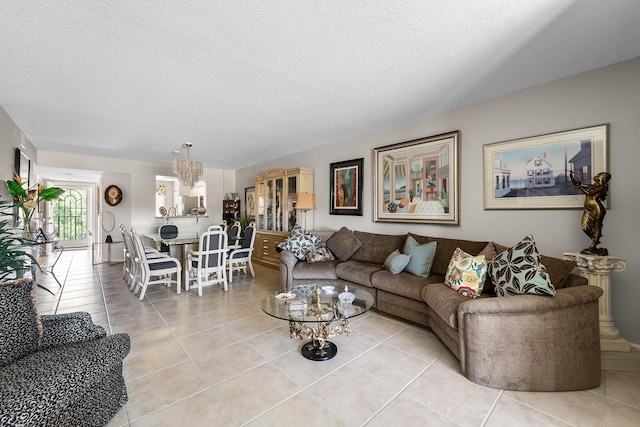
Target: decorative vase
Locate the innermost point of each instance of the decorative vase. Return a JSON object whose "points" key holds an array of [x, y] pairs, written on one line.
{"points": [[26, 230]]}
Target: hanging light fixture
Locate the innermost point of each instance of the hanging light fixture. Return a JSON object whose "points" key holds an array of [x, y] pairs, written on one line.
{"points": [[188, 172]]}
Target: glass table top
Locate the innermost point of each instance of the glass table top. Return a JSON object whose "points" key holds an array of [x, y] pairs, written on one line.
{"points": [[300, 304]]}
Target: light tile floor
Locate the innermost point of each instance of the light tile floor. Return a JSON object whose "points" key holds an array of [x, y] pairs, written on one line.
{"points": [[218, 360]]}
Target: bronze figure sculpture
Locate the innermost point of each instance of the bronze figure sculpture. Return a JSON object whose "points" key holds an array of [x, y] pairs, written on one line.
{"points": [[594, 210]]}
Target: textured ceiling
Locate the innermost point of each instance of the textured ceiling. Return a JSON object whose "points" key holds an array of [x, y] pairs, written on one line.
{"points": [[255, 80]]}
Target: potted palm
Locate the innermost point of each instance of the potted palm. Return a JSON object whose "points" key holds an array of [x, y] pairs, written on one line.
{"points": [[27, 199], [14, 259]]}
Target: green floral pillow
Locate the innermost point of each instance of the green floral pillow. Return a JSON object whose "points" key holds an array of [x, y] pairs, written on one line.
{"points": [[466, 273], [518, 271]]}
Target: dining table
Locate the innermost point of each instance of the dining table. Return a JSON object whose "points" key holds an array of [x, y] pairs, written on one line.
{"points": [[179, 246]]}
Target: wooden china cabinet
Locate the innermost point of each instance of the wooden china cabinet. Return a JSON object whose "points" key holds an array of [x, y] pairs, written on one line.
{"points": [[275, 211]]}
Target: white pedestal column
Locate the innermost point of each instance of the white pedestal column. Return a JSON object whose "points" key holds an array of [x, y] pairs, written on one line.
{"points": [[597, 270]]}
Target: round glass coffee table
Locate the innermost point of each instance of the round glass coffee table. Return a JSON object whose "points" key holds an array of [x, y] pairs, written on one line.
{"points": [[319, 313]]}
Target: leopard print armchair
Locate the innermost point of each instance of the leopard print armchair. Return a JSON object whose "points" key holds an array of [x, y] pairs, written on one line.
{"points": [[69, 374]]}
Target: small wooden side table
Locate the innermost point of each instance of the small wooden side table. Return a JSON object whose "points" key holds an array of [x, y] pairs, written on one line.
{"points": [[597, 270]]}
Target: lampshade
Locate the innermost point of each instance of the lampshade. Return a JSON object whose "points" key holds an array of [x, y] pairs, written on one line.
{"points": [[187, 171], [305, 201]]}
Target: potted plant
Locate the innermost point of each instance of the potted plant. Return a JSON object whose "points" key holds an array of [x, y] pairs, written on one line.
{"points": [[14, 259], [27, 200]]}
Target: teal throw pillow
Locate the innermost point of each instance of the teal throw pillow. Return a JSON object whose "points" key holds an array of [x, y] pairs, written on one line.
{"points": [[421, 257], [396, 262], [518, 271]]}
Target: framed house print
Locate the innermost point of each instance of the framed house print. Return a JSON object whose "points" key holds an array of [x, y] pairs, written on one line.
{"points": [[534, 172], [346, 187], [418, 181]]}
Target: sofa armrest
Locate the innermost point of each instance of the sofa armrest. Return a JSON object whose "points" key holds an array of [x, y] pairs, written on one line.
{"points": [[61, 329], [287, 262], [534, 343]]}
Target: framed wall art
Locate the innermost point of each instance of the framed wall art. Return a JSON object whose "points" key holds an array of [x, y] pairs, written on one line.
{"points": [[534, 172], [346, 187], [418, 181], [250, 202]]}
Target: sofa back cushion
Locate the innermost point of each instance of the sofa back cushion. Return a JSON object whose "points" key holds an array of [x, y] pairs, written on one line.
{"points": [[446, 248], [19, 322], [375, 248], [343, 244]]}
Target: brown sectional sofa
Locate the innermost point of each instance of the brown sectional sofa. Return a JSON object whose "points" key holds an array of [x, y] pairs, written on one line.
{"points": [[524, 342]]}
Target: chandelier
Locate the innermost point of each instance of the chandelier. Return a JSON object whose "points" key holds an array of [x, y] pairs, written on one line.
{"points": [[188, 172]]}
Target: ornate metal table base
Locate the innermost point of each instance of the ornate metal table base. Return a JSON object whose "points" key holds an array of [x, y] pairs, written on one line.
{"points": [[317, 313], [319, 348], [314, 350]]}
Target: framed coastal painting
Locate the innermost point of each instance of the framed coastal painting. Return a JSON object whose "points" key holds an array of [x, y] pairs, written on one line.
{"points": [[418, 181], [534, 172], [346, 187]]}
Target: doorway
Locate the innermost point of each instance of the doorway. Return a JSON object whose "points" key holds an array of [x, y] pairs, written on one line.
{"points": [[72, 214]]}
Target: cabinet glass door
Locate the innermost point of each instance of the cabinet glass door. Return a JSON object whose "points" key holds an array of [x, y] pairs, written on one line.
{"points": [[279, 215], [292, 189], [269, 204], [260, 217]]}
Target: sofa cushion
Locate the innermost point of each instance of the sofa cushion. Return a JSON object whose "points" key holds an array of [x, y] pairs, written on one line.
{"points": [[376, 247], [315, 270], [445, 301], [421, 256], [489, 252], [357, 272], [396, 262], [466, 273], [20, 332], [299, 242], [319, 254], [518, 271], [343, 244], [404, 284], [446, 248]]}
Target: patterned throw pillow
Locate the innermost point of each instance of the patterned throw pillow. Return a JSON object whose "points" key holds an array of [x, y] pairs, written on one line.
{"points": [[466, 273], [396, 262], [518, 271], [421, 256], [299, 242], [319, 253], [19, 322]]}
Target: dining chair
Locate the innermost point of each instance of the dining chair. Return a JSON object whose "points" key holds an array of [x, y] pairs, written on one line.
{"points": [[134, 269], [222, 225], [238, 259], [160, 266], [127, 252], [167, 231], [207, 265], [233, 236]]}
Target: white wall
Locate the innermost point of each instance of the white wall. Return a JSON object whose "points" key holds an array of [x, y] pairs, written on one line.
{"points": [[11, 138], [607, 95]]}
